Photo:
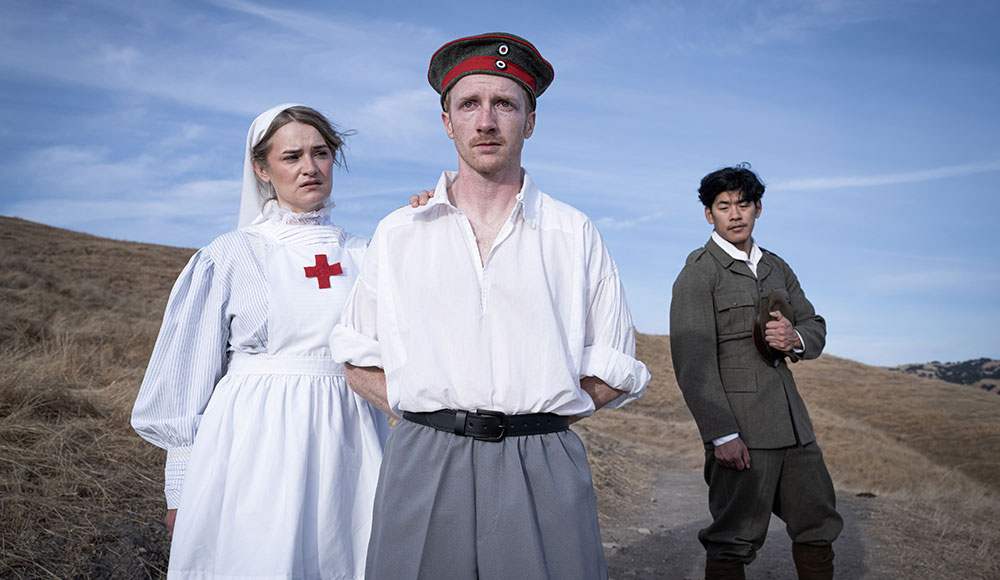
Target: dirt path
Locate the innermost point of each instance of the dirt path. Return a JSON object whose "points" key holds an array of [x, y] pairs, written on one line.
{"points": [[662, 542]]}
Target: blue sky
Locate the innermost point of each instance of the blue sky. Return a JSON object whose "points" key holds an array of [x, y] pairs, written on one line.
{"points": [[873, 124]]}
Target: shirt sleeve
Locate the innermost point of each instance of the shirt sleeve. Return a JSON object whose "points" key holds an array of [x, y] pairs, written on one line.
{"points": [[354, 339], [801, 340], [609, 341], [188, 360], [724, 440]]}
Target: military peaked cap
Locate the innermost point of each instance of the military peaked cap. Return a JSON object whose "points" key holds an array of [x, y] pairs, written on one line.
{"points": [[493, 53]]}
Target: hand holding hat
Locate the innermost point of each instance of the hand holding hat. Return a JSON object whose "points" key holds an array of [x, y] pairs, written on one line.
{"points": [[775, 311]]}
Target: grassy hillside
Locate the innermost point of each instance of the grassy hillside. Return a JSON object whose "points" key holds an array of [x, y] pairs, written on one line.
{"points": [[925, 449], [80, 493]]}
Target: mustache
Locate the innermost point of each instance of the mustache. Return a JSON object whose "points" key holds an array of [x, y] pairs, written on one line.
{"points": [[486, 140]]}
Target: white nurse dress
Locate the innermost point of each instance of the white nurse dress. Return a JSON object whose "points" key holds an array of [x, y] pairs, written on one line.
{"points": [[272, 459]]}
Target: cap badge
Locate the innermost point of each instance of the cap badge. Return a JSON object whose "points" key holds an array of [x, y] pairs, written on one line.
{"points": [[500, 64], [503, 50]]}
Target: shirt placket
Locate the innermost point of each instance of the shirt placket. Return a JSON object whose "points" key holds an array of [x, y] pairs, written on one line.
{"points": [[483, 266]]}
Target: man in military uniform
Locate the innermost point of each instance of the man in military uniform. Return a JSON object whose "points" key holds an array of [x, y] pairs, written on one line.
{"points": [[761, 454]]}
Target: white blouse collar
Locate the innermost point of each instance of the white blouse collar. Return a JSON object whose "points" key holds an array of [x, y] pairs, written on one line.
{"points": [[274, 212]]}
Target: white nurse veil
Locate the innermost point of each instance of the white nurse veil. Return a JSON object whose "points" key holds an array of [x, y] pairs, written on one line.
{"points": [[253, 195]]}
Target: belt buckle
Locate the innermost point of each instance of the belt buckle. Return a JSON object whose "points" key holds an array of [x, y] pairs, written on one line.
{"points": [[503, 426]]}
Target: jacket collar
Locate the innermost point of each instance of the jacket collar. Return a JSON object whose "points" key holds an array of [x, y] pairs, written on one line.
{"points": [[729, 262]]}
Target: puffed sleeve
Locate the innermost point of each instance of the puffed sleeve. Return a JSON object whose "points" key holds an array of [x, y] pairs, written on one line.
{"points": [[188, 360], [609, 339], [354, 339]]}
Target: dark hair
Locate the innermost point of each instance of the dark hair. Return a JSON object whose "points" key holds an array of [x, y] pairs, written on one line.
{"points": [[309, 116], [737, 178]]}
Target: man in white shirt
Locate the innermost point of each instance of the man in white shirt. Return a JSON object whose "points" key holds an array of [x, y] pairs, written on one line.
{"points": [[731, 367], [488, 320]]}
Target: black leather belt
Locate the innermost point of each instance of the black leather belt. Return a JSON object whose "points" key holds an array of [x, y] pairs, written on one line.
{"points": [[489, 425]]}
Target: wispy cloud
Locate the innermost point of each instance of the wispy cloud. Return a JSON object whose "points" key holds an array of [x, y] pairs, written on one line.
{"points": [[184, 136], [615, 223], [199, 209], [772, 21], [401, 125], [932, 281], [61, 169], [126, 119], [688, 27], [76, 185], [888, 178], [177, 54]]}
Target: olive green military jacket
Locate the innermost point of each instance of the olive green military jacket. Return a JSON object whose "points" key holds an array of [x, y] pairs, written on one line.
{"points": [[725, 383]]}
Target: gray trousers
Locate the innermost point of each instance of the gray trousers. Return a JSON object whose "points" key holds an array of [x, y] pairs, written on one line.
{"points": [[450, 507], [793, 483]]}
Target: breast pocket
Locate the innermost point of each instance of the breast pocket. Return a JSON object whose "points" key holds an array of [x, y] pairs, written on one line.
{"points": [[734, 312]]}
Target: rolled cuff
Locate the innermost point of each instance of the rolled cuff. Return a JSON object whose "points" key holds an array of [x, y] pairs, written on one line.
{"points": [[350, 346], [726, 439], [173, 475], [619, 370], [801, 340]]}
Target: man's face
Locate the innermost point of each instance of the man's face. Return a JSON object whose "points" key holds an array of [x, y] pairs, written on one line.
{"points": [[488, 119], [733, 218]]}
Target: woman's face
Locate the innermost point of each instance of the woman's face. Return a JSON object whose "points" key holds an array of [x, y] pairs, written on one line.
{"points": [[299, 166]]}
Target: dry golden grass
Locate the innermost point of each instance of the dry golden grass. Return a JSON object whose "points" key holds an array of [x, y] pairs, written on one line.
{"points": [[927, 450], [80, 493]]}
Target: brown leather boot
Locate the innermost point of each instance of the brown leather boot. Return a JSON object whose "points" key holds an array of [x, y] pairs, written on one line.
{"points": [[724, 570], [813, 562]]}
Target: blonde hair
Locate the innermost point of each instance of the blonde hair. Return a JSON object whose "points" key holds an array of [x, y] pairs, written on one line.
{"points": [[300, 114]]}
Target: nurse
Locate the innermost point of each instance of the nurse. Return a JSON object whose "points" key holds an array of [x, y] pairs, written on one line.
{"points": [[272, 461]]}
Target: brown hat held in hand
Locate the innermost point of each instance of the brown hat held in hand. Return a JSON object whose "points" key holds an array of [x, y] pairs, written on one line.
{"points": [[773, 302]]}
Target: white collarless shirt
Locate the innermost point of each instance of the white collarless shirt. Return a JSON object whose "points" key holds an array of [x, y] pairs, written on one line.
{"points": [[513, 334], [750, 260]]}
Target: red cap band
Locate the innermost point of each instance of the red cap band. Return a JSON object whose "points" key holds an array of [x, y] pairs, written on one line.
{"points": [[487, 64]]}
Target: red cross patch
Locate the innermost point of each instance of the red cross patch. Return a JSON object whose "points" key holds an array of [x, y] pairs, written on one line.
{"points": [[322, 271]]}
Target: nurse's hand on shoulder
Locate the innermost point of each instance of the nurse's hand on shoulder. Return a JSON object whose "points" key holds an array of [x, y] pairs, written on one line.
{"points": [[422, 198], [733, 454], [169, 519]]}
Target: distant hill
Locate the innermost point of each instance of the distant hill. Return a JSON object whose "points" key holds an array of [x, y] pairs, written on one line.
{"points": [[981, 372], [81, 494]]}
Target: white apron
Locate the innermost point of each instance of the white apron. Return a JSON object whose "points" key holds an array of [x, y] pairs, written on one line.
{"points": [[283, 472]]}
